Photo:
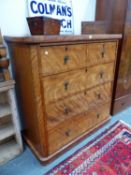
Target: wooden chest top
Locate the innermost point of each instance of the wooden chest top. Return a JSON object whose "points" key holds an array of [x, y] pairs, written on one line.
{"points": [[61, 38]]}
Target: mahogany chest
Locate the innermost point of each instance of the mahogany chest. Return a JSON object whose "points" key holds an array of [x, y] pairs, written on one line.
{"points": [[64, 85]]}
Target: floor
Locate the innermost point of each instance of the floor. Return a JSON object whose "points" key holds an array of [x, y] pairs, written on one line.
{"points": [[27, 164]]}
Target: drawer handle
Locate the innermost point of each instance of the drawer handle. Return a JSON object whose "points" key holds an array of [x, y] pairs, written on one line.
{"points": [[66, 85], [99, 96], [85, 93], [102, 54], [66, 110], [103, 51], [101, 75], [86, 70], [98, 115], [66, 48], [68, 132], [66, 59]]}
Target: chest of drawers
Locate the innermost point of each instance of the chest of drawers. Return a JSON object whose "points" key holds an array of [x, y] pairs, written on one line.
{"points": [[64, 87]]}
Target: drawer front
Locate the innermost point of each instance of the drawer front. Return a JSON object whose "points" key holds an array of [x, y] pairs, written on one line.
{"points": [[57, 59], [99, 74], [98, 53], [66, 84], [122, 103], [71, 129], [63, 85], [98, 95], [77, 104]]}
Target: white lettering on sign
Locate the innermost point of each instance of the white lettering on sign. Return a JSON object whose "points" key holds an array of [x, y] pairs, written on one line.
{"points": [[58, 9]]}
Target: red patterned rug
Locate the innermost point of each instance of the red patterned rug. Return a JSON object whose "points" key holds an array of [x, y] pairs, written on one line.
{"points": [[107, 154]]}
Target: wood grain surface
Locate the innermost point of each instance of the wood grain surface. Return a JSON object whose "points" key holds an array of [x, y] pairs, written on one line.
{"points": [[64, 86], [81, 102], [58, 59], [70, 129], [101, 53]]}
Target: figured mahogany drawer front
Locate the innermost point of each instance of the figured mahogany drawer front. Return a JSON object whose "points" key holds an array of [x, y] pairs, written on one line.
{"points": [[99, 94], [65, 109], [99, 74], [73, 128], [98, 53], [63, 85], [66, 84], [55, 59]]}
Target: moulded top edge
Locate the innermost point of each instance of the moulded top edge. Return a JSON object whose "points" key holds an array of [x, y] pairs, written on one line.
{"points": [[61, 38]]}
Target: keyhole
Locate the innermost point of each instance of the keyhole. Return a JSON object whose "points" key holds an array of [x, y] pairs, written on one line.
{"points": [[66, 111], [66, 85], [67, 133], [66, 48], [66, 58], [101, 75], [99, 96], [98, 115]]}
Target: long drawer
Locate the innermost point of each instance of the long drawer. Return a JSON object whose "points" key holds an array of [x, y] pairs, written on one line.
{"points": [[55, 59], [66, 84], [73, 128], [64, 109], [63, 85], [98, 53]]}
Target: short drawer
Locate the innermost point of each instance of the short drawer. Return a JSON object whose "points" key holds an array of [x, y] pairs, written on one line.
{"points": [[73, 128], [65, 109], [99, 74], [98, 95], [55, 59], [62, 85], [98, 53]]}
